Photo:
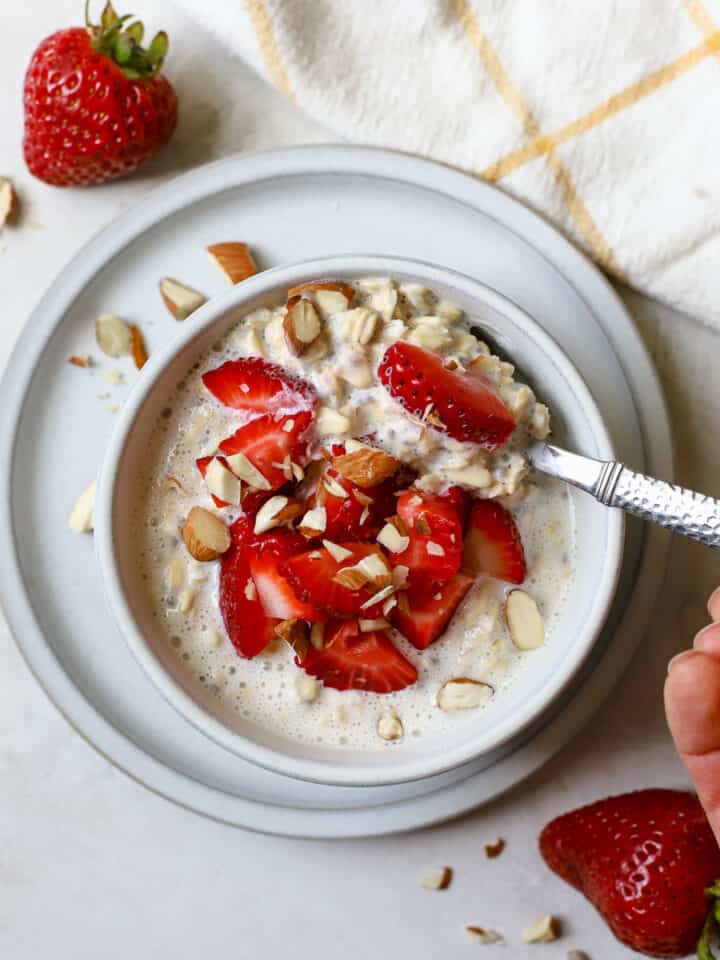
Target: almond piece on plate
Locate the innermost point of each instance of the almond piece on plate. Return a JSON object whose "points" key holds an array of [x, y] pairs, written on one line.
{"points": [[366, 466], [438, 879], [137, 347], [222, 483], [180, 299], [80, 360], [234, 259], [296, 633], [462, 693], [524, 621], [493, 850], [484, 936], [81, 516], [389, 727], [113, 335], [313, 286], [543, 930], [302, 325], [8, 202], [205, 535]]}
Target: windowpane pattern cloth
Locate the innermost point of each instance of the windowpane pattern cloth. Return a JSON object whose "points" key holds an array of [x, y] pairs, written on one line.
{"points": [[602, 115]]}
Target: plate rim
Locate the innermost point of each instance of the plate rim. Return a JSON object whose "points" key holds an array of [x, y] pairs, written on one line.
{"points": [[155, 206]]}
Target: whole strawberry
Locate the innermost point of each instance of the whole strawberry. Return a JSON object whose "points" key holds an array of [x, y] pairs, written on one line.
{"points": [[96, 104], [645, 861]]}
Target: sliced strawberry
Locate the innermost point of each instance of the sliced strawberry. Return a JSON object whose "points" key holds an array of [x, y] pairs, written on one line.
{"points": [[351, 660], [272, 445], [268, 554], [436, 537], [251, 501], [460, 500], [252, 383], [248, 627], [466, 404], [430, 611], [492, 544], [348, 517], [311, 574]]}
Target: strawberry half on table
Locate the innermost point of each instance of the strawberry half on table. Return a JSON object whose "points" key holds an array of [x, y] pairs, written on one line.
{"points": [[648, 862], [96, 103]]}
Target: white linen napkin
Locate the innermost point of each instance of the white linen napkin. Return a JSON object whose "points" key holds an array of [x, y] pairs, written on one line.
{"points": [[603, 116]]}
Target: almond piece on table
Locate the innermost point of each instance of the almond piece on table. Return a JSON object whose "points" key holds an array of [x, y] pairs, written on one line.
{"points": [[524, 621], [81, 516], [366, 466], [438, 879], [80, 360], [484, 936], [180, 299], [205, 535], [137, 347], [302, 325], [234, 259], [296, 633], [543, 930], [493, 850], [311, 286], [113, 335], [462, 693], [8, 202]]}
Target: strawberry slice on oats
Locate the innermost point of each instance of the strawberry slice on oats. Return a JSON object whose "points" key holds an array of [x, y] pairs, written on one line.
{"points": [[247, 625], [273, 445], [351, 660], [461, 403], [492, 544], [436, 537], [254, 384], [268, 554], [428, 612], [328, 578]]}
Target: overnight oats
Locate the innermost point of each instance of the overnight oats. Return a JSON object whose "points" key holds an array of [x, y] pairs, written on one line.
{"points": [[339, 535]]}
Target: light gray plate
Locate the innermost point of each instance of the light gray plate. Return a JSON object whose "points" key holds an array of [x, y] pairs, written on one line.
{"points": [[290, 205]]}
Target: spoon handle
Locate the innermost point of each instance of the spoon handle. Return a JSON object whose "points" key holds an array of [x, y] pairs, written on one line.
{"points": [[615, 485]]}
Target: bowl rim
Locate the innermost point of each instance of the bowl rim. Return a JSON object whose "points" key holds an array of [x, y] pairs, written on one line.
{"points": [[365, 775]]}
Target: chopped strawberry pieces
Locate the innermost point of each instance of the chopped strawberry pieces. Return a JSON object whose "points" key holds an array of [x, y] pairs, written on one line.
{"points": [[247, 625], [350, 516], [268, 554], [252, 383], [436, 539], [273, 445], [351, 660], [460, 403], [430, 611], [311, 574], [492, 544]]}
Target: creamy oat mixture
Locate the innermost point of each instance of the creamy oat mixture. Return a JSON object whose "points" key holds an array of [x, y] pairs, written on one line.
{"points": [[341, 365]]}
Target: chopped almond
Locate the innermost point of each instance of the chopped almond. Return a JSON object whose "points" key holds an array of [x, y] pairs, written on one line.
{"points": [[275, 511], [369, 626], [389, 725], [313, 523], [113, 335], [438, 879], [462, 693], [391, 538], [312, 285], [247, 471], [366, 466], [351, 577], [483, 935], [81, 517], [8, 202], [544, 930], [301, 325], [79, 360], [222, 483], [234, 259], [376, 570], [317, 635], [493, 850], [296, 634], [205, 535], [337, 552], [180, 299], [137, 347]]}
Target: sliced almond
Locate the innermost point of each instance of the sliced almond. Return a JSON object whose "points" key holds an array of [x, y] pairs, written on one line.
{"points": [[186, 600], [8, 202], [337, 552], [80, 360], [369, 626], [379, 597], [222, 483], [462, 693], [313, 523], [275, 511], [484, 936], [137, 347], [493, 850], [334, 487], [307, 689], [351, 577], [330, 302], [312, 286], [296, 633], [331, 423], [113, 335], [366, 466], [205, 535], [543, 930], [180, 299], [302, 325], [81, 515], [297, 472], [247, 471], [390, 603], [233, 259], [389, 726], [434, 549], [525, 623], [438, 879], [392, 540], [175, 571], [376, 570], [317, 635], [400, 576]]}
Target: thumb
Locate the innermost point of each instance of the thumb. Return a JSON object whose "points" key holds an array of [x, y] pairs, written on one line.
{"points": [[692, 704]]}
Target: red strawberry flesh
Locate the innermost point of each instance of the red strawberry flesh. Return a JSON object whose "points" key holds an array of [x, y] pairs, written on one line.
{"points": [[268, 554], [467, 405], [436, 538], [430, 610], [311, 574], [273, 444], [643, 860], [254, 384], [351, 660], [492, 543], [247, 625]]}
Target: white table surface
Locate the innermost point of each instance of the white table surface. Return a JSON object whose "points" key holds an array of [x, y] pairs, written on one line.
{"points": [[94, 865]]}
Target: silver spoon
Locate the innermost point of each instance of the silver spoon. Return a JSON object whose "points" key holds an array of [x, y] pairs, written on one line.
{"points": [[615, 485]]}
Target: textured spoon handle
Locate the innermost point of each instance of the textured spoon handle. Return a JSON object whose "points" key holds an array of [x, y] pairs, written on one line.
{"points": [[690, 513]]}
